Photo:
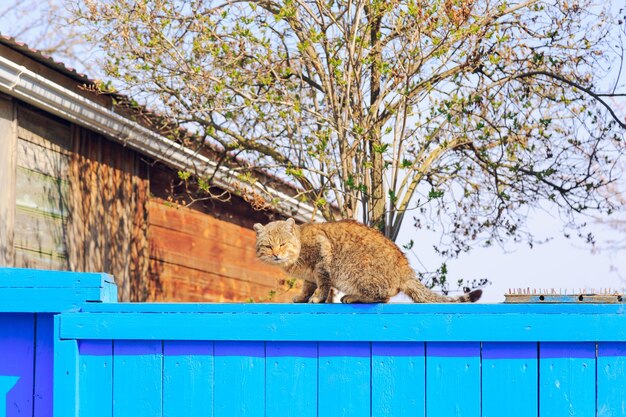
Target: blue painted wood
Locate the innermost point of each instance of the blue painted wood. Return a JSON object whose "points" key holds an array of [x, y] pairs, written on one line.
{"points": [[515, 327], [398, 379], [344, 386], [303, 360], [510, 379], [39, 291], [453, 379], [6, 385], [187, 378], [567, 374], [360, 309], [291, 379], [611, 380], [96, 378], [44, 360], [38, 278], [48, 300], [137, 378], [17, 358], [65, 395], [239, 379]]}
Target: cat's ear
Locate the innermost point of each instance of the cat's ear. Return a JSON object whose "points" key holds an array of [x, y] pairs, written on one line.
{"points": [[258, 227], [291, 223]]}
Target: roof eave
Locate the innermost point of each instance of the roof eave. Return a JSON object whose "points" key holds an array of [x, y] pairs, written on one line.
{"points": [[23, 84]]}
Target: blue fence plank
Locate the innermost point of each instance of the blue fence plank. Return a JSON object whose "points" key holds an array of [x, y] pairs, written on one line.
{"points": [[6, 385], [291, 374], [510, 379], [344, 385], [17, 358], [96, 378], [65, 374], [44, 360], [137, 379], [453, 379], [187, 378], [611, 379], [567, 385], [239, 379], [398, 379]]}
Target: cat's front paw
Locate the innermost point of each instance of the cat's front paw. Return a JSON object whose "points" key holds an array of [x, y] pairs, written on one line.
{"points": [[316, 300], [300, 299], [349, 299]]}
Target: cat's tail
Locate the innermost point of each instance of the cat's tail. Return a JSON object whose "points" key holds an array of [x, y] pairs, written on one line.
{"points": [[420, 294]]}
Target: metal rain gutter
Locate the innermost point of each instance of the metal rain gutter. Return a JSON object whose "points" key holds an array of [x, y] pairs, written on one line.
{"points": [[23, 84]]}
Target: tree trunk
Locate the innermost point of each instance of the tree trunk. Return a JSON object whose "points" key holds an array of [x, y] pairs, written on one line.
{"points": [[377, 192]]}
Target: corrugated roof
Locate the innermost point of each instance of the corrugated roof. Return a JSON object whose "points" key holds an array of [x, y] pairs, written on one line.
{"points": [[44, 59]]}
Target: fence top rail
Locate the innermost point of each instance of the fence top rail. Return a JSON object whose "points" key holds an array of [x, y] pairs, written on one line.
{"points": [[24, 290], [374, 323], [409, 308], [37, 278]]}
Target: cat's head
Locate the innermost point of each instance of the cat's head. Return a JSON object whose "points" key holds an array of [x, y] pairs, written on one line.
{"points": [[277, 242]]}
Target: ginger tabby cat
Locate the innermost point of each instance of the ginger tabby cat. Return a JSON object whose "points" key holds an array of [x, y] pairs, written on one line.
{"points": [[355, 259]]}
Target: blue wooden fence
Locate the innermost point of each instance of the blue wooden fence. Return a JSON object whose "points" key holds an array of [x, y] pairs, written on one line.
{"points": [[143, 360]]}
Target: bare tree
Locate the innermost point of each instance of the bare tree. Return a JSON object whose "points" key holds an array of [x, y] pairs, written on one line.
{"points": [[43, 25], [469, 111]]}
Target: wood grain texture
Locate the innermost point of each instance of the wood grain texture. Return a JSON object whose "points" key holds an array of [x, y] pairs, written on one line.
{"points": [[239, 389], [96, 378], [567, 373], [345, 327], [108, 222], [188, 369], [344, 386], [453, 379], [611, 384], [8, 144], [191, 285], [196, 257], [137, 380], [398, 382], [65, 397], [291, 379], [510, 375], [552, 314]]}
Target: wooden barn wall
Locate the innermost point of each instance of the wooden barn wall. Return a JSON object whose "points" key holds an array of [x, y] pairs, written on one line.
{"points": [[71, 200], [41, 189], [107, 229], [74, 200], [197, 257], [8, 139]]}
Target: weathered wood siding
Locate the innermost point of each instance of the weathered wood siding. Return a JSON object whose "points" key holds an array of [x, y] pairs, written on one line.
{"points": [[108, 225], [196, 257], [72, 199], [8, 140], [75, 200], [41, 190]]}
